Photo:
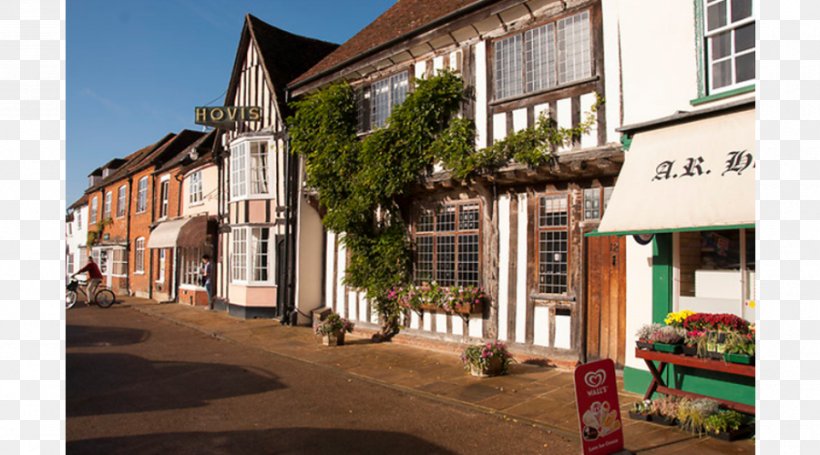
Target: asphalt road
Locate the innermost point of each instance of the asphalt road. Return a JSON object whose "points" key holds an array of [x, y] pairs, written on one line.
{"points": [[140, 385]]}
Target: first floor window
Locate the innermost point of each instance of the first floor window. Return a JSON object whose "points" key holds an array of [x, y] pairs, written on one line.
{"points": [[730, 42], [142, 194], [259, 167], [93, 213], [163, 198], [250, 169], [252, 258], [189, 260], [79, 215], [195, 187], [119, 262], [595, 202], [107, 206], [553, 241], [121, 201], [447, 245], [139, 255], [385, 95]]}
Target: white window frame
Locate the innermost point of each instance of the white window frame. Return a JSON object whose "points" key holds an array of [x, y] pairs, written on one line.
{"points": [[107, 205], [543, 47], [190, 264], [242, 168], [93, 210], [161, 267], [247, 266], [164, 189], [730, 27], [142, 194], [70, 264], [195, 188], [139, 256], [121, 201], [122, 261], [78, 214]]}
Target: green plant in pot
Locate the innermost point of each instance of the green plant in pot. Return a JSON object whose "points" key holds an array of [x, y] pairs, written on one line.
{"points": [[668, 339], [728, 425], [333, 329], [692, 414], [739, 348], [693, 342], [488, 359], [641, 410], [643, 334]]}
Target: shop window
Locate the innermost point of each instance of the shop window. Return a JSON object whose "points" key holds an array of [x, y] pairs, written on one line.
{"points": [[142, 194], [250, 169], [119, 262], [447, 245], [195, 187], [139, 255], [729, 38], [190, 262], [107, 206], [543, 57], [716, 270], [553, 242], [161, 274], [595, 202], [121, 201]]}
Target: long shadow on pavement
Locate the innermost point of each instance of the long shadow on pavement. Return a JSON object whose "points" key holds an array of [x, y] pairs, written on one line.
{"points": [[80, 336], [284, 440], [121, 383]]}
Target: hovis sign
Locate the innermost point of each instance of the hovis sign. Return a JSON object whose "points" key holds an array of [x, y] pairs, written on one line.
{"points": [[226, 117]]}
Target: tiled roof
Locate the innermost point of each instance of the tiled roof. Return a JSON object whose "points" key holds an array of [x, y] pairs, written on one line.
{"points": [[132, 161], [204, 146], [401, 19], [83, 200], [284, 55]]}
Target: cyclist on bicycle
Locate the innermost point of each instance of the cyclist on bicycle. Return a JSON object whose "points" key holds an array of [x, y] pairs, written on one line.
{"points": [[94, 277]]}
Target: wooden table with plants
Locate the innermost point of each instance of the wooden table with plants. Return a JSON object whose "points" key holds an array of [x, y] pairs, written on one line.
{"points": [[715, 342]]}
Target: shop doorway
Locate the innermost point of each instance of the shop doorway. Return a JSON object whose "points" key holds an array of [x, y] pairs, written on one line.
{"points": [[606, 298]]}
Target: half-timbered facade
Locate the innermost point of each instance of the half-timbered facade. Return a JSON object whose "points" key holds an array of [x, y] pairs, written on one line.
{"points": [[519, 233], [257, 219]]}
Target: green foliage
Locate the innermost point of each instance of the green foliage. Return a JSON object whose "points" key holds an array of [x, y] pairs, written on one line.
{"points": [[692, 414], [724, 421], [360, 181]]}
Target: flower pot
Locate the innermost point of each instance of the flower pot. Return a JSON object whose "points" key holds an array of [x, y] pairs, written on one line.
{"points": [[334, 339], [664, 420], [670, 348], [494, 367], [743, 432], [739, 358], [691, 351], [638, 416], [645, 345]]}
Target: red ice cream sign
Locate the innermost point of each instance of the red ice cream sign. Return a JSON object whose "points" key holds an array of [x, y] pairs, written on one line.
{"points": [[599, 414]]}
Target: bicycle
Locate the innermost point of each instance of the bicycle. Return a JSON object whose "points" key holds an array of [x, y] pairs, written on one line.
{"points": [[103, 298]]}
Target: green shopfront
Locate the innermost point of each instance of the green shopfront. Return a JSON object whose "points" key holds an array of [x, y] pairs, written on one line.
{"points": [[686, 199]]}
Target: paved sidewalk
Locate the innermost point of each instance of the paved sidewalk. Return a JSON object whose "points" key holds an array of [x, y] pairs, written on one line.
{"points": [[530, 394]]}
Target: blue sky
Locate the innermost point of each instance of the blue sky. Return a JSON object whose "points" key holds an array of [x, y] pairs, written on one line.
{"points": [[136, 69]]}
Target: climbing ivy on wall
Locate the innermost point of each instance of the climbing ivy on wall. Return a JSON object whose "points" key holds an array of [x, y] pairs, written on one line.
{"points": [[359, 180]]}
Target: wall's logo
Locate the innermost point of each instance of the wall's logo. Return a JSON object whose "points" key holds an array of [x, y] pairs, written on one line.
{"points": [[595, 379]]}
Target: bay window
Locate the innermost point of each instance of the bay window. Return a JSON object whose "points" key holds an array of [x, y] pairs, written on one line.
{"points": [[447, 245], [252, 255], [729, 34], [250, 169], [543, 57], [189, 260]]}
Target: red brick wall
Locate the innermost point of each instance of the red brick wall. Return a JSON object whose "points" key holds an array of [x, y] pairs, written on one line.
{"points": [[140, 227], [162, 289], [192, 297]]}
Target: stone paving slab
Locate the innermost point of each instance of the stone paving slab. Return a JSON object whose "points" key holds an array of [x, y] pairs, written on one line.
{"points": [[531, 394]]}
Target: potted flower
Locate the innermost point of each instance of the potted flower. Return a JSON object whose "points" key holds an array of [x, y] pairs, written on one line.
{"points": [[692, 414], [643, 334], [464, 300], [692, 341], [333, 329], [728, 426], [641, 410], [739, 348], [488, 359], [668, 339], [665, 410], [676, 319]]}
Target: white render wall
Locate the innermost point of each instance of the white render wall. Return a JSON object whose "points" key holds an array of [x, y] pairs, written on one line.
{"points": [[75, 242]]}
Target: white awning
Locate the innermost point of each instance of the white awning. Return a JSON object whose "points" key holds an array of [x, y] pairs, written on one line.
{"points": [[695, 175], [166, 233]]}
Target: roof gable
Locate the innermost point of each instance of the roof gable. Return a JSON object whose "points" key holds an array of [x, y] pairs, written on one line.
{"points": [[283, 55]]}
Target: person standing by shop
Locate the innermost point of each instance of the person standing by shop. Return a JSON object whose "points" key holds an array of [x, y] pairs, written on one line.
{"points": [[206, 277]]}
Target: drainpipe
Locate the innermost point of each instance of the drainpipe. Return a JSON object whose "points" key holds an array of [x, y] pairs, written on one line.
{"points": [[128, 233], [289, 316], [151, 250], [175, 250]]}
